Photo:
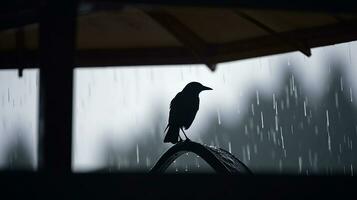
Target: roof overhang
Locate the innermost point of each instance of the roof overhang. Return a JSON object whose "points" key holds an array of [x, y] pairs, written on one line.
{"points": [[134, 33]]}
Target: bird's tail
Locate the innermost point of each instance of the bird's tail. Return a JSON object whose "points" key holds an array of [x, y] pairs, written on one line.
{"points": [[172, 134]]}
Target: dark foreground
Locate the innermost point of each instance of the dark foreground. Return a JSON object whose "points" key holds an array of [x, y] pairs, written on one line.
{"points": [[24, 185]]}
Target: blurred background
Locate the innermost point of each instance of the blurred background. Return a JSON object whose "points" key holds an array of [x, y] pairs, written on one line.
{"points": [[278, 114]]}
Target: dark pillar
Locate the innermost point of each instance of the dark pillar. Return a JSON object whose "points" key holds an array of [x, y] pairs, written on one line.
{"points": [[57, 48]]}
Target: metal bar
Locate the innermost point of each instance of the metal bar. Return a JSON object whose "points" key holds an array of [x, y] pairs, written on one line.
{"points": [[57, 48]]}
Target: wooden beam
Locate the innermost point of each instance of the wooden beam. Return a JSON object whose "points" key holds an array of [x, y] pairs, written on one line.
{"points": [[20, 48], [267, 45], [57, 48], [303, 48], [136, 57], [302, 5], [255, 47], [195, 44], [18, 19]]}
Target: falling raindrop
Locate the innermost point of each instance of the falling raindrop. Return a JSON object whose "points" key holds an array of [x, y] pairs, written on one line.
{"points": [[229, 147], [336, 99], [245, 130], [351, 167], [262, 119], [147, 161], [257, 94], [292, 129], [175, 165], [218, 117], [327, 119], [292, 84], [287, 99], [328, 140], [274, 102], [351, 95], [248, 151], [137, 154], [304, 108], [252, 108], [274, 137], [341, 83], [282, 137], [295, 95], [244, 156], [276, 123], [300, 164]]}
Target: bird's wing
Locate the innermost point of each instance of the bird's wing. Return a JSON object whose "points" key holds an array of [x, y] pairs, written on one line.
{"points": [[191, 110], [183, 109], [176, 110]]}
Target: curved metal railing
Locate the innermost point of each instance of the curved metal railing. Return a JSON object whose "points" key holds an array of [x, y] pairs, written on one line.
{"points": [[219, 159]]}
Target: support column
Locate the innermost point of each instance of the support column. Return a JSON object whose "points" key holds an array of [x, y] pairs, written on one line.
{"points": [[57, 49]]}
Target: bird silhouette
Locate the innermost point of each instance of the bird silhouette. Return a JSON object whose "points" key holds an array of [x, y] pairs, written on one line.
{"points": [[183, 109]]}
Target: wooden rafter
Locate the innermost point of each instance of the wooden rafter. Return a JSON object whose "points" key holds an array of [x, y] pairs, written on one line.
{"points": [[260, 46], [196, 45], [20, 48], [301, 46]]}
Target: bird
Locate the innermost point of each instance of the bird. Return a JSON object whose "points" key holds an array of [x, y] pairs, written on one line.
{"points": [[183, 109]]}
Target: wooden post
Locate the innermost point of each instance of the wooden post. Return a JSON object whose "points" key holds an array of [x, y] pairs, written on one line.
{"points": [[57, 48]]}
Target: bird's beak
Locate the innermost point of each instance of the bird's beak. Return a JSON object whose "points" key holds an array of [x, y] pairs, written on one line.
{"points": [[206, 88]]}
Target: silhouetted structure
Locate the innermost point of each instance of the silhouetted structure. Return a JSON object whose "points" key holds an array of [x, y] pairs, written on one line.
{"points": [[219, 159], [183, 109]]}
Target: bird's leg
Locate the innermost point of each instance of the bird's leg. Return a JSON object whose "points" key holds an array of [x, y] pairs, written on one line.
{"points": [[185, 135]]}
